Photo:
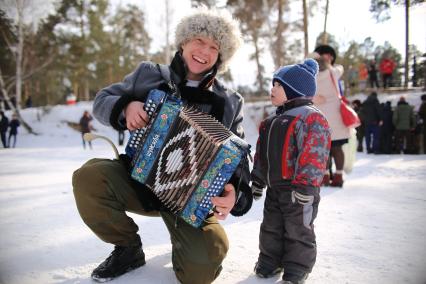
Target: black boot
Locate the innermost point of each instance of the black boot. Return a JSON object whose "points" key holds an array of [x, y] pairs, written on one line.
{"points": [[294, 278], [120, 261], [263, 271]]}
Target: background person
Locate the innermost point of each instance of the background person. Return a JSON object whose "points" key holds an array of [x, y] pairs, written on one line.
{"points": [[327, 99], [372, 117], [387, 66], [86, 127], [13, 130], [4, 125]]}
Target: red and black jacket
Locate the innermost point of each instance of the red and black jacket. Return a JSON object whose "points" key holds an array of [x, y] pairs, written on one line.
{"points": [[293, 147]]}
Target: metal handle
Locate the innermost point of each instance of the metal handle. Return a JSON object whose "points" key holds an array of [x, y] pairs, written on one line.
{"points": [[90, 136]]}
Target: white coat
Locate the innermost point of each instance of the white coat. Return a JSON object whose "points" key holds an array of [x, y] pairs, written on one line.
{"points": [[327, 99]]}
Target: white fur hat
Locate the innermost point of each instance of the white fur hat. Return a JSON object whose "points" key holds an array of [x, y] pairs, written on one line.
{"points": [[218, 25]]}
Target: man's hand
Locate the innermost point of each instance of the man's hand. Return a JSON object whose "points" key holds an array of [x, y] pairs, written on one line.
{"points": [[136, 117], [223, 204]]}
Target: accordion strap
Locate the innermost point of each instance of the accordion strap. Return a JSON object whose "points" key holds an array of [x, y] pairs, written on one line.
{"points": [[165, 73]]}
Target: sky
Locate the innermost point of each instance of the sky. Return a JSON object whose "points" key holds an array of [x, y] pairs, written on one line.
{"points": [[370, 231], [347, 20]]}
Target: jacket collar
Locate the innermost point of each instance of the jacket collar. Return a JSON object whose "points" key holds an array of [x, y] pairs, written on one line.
{"points": [[297, 102]]}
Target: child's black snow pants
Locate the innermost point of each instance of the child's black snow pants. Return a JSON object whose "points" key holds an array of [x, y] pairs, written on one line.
{"points": [[287, 237]]}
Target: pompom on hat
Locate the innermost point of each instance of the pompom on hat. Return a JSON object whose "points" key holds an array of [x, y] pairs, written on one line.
{"points": [[218, 25], [298, 80]]}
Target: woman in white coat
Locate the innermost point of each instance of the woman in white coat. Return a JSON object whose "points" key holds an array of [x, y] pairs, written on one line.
{"points": [[327, 99]]}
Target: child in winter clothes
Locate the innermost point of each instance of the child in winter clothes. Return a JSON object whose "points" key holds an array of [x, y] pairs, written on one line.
{"points": [[290, 161]]}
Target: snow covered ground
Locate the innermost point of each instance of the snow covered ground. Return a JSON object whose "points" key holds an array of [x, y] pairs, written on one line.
{"points": [[370, 231]]}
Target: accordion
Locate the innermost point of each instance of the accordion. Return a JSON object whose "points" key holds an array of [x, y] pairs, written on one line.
{"points": [[183, 156]]}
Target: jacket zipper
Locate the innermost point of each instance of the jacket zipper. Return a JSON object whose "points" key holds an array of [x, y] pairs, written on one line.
{"points": [[267, 152]]}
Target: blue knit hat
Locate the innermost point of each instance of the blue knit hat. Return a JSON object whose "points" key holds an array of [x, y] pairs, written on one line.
{"points": [[298, 80]]}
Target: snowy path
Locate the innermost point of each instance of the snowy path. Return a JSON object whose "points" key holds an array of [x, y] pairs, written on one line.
{"points": [[371, 231]]}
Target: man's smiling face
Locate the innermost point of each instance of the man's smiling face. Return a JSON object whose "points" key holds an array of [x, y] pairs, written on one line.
{"points": [[200, 54]]}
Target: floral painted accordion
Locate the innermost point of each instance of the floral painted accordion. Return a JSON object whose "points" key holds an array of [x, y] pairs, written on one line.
{"points": [[184, 156]]}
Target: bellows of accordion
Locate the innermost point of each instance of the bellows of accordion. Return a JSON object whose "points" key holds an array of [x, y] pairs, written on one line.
{"points": [[185, 157]]}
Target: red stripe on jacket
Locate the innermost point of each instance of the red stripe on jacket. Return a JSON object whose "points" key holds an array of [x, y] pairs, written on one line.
{"points": [[290, 131]]}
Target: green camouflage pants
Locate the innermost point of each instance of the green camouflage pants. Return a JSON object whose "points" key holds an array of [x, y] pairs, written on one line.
{"points": [[103, 192]]}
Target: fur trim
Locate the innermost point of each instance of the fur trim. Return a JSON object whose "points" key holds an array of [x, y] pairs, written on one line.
{"points": [[215, 24]]}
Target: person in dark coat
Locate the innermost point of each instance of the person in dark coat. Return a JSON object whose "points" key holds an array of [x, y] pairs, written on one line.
{"points": [[29, 102], [86, 127], [13, 132], [360, 130], [422, 120], [372, 75], [386, 129], [4, 124], [404, 122], [371, 115]]}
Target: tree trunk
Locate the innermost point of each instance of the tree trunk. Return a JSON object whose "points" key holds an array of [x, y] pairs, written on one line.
{"points": [[86, 90], [407, 42], [19, 50], [75, 90], [279, 56], [324, 34], [259, 76], [168, 24], [12, 107], [305, 28]]}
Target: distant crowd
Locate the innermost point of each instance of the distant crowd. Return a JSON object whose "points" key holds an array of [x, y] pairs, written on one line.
{"points": [[386, 129], [369, 74]]}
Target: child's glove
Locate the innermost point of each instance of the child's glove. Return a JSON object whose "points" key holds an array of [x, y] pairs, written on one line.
{"points": [[257, 190]]}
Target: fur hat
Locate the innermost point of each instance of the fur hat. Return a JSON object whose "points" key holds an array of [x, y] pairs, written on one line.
{"points": [[215, 24], [298, 80], [326, 49]]}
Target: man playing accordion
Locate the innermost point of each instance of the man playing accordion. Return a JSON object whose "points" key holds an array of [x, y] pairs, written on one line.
{"points": [[206, 41]]}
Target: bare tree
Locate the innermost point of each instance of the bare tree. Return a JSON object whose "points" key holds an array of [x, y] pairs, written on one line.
{"points": [[12, 107], [407, 41], [324, 33], [17, 7], [169, 15], [253, 19], [305, 28]]}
